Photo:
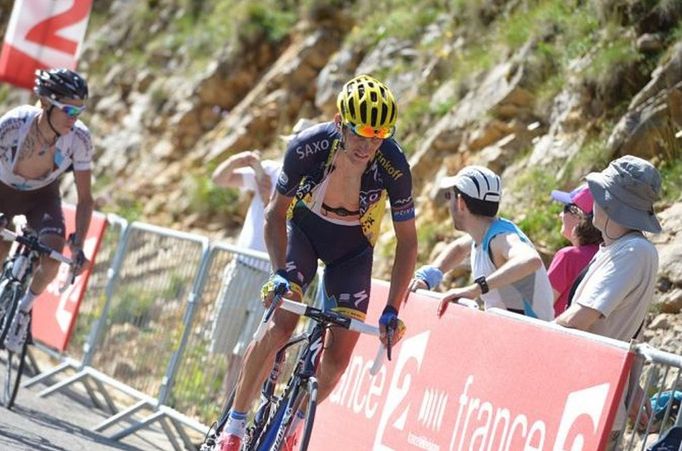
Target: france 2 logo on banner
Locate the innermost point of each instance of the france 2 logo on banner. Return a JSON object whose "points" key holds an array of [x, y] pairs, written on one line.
{"points": [[396, 409], [42, 34], [581, 417]]}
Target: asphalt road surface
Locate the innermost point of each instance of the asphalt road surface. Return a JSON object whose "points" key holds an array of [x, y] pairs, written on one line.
{"points": [[63, 422]]}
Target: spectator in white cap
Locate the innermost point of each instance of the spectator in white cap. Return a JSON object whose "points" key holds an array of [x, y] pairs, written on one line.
{"points": [[613, 298], [570, 261], [507, 270]]}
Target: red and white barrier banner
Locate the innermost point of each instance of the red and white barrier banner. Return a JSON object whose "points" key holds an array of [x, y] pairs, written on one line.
{"points": [[474, 381], [55, 313], [42, 34]]}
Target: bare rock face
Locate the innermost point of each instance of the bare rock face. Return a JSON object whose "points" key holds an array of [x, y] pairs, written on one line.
{"points": [[275, 101], [669, 245], [649, 127], [499, 106], [671, 302], [333, 75]]}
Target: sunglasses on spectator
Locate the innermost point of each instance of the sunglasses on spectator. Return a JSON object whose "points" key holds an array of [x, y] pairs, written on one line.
{"points": [[69, 110], [366, 131], [451, 194], [573, 209]]}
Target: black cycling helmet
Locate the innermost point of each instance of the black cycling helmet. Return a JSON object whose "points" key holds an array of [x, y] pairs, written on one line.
{"points": [[60, 84]]}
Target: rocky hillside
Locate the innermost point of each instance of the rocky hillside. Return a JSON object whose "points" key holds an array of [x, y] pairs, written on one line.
{"points": [[542, 91]]}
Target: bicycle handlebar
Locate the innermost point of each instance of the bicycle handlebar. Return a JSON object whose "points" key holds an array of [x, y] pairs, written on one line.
{"points": [[316, 314], [37, 246]]}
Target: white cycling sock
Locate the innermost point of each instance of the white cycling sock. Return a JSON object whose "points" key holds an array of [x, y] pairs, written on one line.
{"points": [[27, 301], [236, 424]]}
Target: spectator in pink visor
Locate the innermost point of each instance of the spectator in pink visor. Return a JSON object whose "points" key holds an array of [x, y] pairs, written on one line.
{"points": [[577, 228]]}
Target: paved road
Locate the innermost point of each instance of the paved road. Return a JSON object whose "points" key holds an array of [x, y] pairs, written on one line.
{"points": [[64, 423]]}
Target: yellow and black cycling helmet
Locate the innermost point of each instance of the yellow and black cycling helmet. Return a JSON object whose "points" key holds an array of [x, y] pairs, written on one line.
{"points": [[368, 106]]}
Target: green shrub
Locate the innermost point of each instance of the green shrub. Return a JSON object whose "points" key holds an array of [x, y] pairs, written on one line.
{"points": [[133, 306], [265, 18], [538, 215], [671, 175], [207, 199], [398, 19]]}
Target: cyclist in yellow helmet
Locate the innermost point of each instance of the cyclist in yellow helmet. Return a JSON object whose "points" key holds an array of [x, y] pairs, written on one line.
{"points": [[328, 205]]}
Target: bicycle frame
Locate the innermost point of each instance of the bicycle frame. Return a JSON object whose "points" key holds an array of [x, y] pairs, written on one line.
{"points": [[17, 269], [305, 368], [19, 265], [269, 429], [14, 281]]}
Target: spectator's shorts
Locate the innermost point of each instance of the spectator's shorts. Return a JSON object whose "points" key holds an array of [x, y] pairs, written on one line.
{"points": [[238, 307], [42, 207]]}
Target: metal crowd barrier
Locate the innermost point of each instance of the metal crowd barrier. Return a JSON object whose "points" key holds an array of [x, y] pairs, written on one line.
{"points": [[90, 311], [654, 414], [149, 304], [176, 314], [227, 314]]}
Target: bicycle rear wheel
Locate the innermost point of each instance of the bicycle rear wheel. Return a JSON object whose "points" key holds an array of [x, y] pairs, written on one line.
{"points": [[14, 368]]}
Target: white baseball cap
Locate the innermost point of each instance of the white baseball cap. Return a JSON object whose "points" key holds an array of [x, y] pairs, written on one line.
{"points": [[477, 182]]}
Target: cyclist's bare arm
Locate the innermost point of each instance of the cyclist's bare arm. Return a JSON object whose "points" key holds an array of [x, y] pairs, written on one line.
{"points": [[404, 261], [84, 206], [276, 230]]}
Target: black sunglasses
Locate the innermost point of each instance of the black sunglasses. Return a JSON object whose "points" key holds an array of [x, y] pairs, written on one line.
{"points": [[451, 194], [575, 210]]}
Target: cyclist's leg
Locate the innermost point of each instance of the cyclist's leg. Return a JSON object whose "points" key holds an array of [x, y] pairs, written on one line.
{"points": [[347, 288], [301, 267], [5, 246], [47, 219]]}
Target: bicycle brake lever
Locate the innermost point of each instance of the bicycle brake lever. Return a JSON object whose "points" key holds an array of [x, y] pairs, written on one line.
{"points": [[71, 278], [390, 330]]}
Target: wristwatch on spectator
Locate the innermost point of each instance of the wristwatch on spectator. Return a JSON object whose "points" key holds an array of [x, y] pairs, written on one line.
{"points": [[481, 282]]}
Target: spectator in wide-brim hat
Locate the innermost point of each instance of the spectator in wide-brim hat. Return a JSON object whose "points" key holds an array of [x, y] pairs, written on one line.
{"points": [[613, 298]]}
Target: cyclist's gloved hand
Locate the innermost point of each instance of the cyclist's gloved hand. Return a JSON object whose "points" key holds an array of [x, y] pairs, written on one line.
{"points": [[276, 285], [388, 321], [80, 262]]}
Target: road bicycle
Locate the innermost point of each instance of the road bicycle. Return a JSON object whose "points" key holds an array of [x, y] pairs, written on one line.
{"points": [[14, 281], [273, 418]]}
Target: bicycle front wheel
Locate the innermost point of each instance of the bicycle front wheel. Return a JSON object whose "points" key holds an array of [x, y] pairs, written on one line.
{"points": [[278, 435], [310, 414], [10, 292], [14, 368]]}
